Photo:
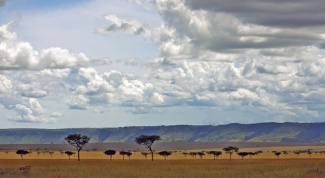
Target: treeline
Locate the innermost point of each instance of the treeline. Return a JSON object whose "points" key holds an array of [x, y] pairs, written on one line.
{"points": [[79, 141]]}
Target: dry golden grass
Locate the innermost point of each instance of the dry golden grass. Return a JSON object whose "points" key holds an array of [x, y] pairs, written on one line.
{"points": [[96, 164], [170, 168], [177, 155]]}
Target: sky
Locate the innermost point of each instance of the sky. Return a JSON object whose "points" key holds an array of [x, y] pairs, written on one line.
{"points": [[97, 63]]}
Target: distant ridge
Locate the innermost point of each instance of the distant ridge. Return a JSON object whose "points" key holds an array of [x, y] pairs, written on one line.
{"points": [[259, 132]]}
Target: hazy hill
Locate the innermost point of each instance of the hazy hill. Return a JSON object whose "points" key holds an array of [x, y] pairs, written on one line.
{"points": [[261, 132]]}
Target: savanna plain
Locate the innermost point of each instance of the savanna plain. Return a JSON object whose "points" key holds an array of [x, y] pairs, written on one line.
{"points": [[95, 164]]}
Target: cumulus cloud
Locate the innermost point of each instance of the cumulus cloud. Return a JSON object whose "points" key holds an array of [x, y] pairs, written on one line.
{"points": [[221, 55], [275, 89], [229, 30], [289, 14], [15, 54], [5, 84], [23, 92], [62, 58], [34, 94], [242, 84], [118, 24], [78, 102], [113, 89], [56, 114], [100, 62], [131, 62], [30, 112]]}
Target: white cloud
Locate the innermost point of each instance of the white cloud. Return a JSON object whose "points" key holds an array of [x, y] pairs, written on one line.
{"points": [[131, 62], [223, 85], [23, 110], [285, 14], [24, 91], [62, 58], [214, 31], [101, 62], [115, 88], [34, 94], [56, 114], [5, 84], [30, 112], [118, 24], [15, 54], [210, 58], [273, 90], [78, 102]]}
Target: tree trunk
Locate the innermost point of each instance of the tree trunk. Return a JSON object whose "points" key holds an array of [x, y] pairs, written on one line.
{"points": [[151, 155], [78, 155]]}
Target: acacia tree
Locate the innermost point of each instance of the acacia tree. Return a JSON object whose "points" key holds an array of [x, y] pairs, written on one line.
{"points": [[216, 154], [185, 154], [277, 154], [145, 154], [201, 154], [129, 154], [309, 152], [258, 152], [22, 153], [210, 152], [230, 150], [165, 154], [297, 152], [69, 153], [78, 141], [250, 154], [242, 154], [147, 141], [123, 153], [285, 153], [193, 154], [110, 153]]}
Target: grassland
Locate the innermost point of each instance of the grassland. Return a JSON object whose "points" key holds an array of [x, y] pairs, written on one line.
{"points": [[171, 168], [96, 164]]}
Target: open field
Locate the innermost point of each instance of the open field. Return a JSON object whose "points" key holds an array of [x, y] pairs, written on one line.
{"points": [[303, 168], [94, 163], [176, 155]]}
